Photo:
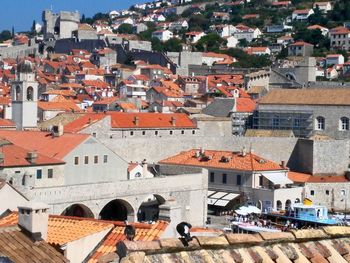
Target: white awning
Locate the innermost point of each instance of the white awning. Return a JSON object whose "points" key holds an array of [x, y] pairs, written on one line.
{"points": [[220, 198], [277, 178]]}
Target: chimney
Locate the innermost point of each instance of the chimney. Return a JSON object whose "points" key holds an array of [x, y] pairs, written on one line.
{"points": [[57, 130], [244, 153], [173, 121], [34, 219], [283, 164], [144, 168], [32, 157], [136, 121]]}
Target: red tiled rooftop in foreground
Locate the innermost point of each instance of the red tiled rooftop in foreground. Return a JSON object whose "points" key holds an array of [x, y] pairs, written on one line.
{"points": [[64, 229], [84, 121], [223, 160], [308, 178], [144, 232]]}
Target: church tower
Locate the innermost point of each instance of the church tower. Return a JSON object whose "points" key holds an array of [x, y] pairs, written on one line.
{"points": [[24, 93]]}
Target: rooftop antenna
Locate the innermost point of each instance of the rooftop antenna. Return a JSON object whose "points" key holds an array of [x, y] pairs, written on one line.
{"points": [[51, 7]]}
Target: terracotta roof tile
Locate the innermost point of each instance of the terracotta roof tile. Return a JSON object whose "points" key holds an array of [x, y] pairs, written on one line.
{"points": [[307, 97], [122, 120], [222, 160], [44, 143], [58, 106], [84, 121]]}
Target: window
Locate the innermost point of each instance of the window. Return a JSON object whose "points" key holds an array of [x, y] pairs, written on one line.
{"points": [[143, 132], [171, 132], [49, 173], [96, 159], [320, 123], [105, 158], [156, 133], [131, 133], [193, 132], [312, 192], [86, 159], [30, 92], [39, 174], [261, 180], [342, 192], [275, 123], [182, 132], [327, 192], [76, 160], [239, 179], [224, 178], [94, 134], [296, 123], [212, 177], [344, 124]]}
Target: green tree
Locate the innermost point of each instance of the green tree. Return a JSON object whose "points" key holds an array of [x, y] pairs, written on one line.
{"points": [[5, 35], [198, 22], [173, 45], [211, 42], [243, 42], [125, 29], [33, 29], [157, 44]]}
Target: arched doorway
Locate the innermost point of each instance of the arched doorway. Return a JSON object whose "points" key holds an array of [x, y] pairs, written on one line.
{"points": [[279, 205], [297, 200], [78, 210], [118, 210], [149, 209], [288, 205]]}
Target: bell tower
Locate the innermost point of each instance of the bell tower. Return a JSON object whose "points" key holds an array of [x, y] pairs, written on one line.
{"points": [[24, 93]]}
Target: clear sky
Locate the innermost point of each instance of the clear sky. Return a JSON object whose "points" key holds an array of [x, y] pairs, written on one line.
{"points": [[21, 13]]}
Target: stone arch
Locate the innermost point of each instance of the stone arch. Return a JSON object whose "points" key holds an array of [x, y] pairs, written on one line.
{"points": [[78, 210], [50, 49], [30, 93], [17, 92], [278, 205], [288, 204], [297, 200], [117, 209], [149, 208]]}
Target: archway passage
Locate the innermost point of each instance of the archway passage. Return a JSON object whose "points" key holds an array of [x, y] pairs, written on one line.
{"points": [[149, 209], [78, 210], [118, 210]]}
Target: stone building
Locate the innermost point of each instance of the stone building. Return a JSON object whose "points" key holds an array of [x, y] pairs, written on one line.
{"points": [[62, 168], [237, 177], [60, 25], [306, 112]]}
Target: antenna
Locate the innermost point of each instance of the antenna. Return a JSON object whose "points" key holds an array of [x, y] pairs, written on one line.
{"points": [[51, 7]]}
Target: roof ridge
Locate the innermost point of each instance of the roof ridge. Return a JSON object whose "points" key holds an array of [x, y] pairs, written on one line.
{"points": [[227, 241]]}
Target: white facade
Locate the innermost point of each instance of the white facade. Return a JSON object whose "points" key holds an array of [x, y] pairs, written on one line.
{"points": [[335, 59], [302, 15], [163, 35], [232, 42]]}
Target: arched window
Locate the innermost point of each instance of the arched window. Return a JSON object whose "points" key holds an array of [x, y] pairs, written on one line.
{"points": [[344, 124], [279, 205], [320, 123], [30, 93], [17, 93]]}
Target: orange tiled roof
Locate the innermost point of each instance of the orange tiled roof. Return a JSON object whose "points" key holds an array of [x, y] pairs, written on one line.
{"points": [[223, 160], [144, 232], [84, 121], [308, 178], [340, 30], [301, 43], [122, 120], [127, 106], [58, 106], [95, 83], [44, 143], [245, 105], [105, 101], [69, 93], [65, 229], [15, 156], [6, 123]]}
